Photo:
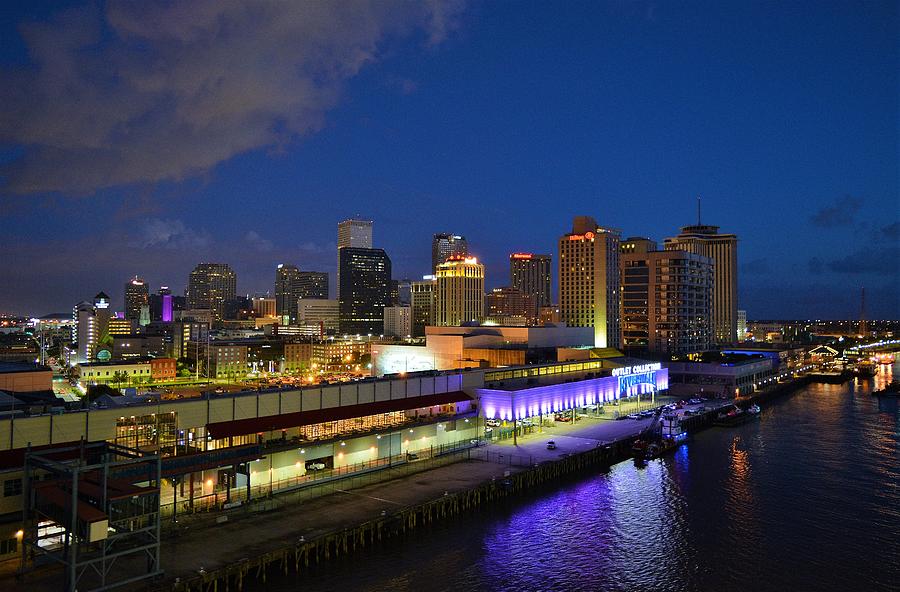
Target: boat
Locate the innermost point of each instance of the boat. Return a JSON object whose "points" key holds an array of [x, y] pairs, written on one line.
{"points": [[735, 416], [891, 390], [865, 369], [643, 450], [653, 443]]}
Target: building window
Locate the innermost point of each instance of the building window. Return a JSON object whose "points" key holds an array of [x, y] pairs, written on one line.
{"points": [[12, 487], [9, 546]]}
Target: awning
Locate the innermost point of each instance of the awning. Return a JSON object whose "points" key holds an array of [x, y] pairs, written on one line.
{"points": [[269, 423]]}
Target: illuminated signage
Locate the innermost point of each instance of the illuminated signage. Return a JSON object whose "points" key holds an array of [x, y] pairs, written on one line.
{"points": [[522, 255], [640, 369], [586, 235]]}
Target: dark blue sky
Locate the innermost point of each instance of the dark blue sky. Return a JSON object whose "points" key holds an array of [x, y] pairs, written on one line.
{"points": [[142, 138]]}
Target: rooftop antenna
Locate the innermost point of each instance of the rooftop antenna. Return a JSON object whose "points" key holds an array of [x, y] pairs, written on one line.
{"points": [[862, 313], [698, 210]]}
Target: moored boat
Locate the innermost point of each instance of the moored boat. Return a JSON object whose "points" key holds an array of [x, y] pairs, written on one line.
{"points": [[735, 416], [891, 390]]}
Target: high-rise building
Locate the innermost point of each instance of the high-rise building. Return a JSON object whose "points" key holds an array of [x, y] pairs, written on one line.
{"points": [[422, 302], [530, 274], [321, 312], [459, 292], [210, 285], [286, 279], [364, 289], [722, 249], [666, 301], [637, 244], [355, 233], [398, 321], [263, 306], [404, 292], [137, 294], [444, 246], [91, 327], [505, 302], [312, 284], [589, 280], [167, 304]]}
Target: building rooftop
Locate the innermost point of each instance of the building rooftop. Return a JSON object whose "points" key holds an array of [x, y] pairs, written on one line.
{"points": [[10, 367]]}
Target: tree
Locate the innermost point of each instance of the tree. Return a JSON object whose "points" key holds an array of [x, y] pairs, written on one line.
{"points": [[119, 377]]}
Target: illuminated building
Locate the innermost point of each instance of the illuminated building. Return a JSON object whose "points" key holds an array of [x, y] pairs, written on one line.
{"points": [[459, 292], [91, 327], [263, 306], [444, 246], [589, 280], [312, 284], [666, 301], [355, 233], [722, 249], [531, 273], [364, 289], [422, 301], [137, 294], [210, 285], [637, 244], [398, 321], [741, 325], [507, 302]]}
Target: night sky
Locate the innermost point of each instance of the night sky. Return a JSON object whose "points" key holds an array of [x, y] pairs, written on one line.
{"points": [[145, 137]]}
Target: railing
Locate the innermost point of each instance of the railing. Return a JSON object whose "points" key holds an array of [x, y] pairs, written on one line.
{"points": [[306, 486], [502, 458]]}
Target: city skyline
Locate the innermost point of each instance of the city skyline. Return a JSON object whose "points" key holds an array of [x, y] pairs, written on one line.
{"points": [[622, 113]]}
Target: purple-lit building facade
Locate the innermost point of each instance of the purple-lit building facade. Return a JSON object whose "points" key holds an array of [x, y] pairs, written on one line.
{"points": [[516, 401]]}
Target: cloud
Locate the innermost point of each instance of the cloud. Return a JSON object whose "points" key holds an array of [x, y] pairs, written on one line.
{"points": [[892, 231], [257, 242], [159, 233], [151, 91], [884, 261], [757, 266], [842, 213]]}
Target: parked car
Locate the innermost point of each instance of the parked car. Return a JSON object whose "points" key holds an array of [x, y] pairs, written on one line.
{"points": [[695, 401], [315, 466], [551, 445], [412, 456], [494, 423], [563, 418]]}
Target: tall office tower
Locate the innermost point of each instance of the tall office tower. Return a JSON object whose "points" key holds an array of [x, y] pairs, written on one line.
{"points": [[364, 289], [355, 233], [421, 295], [137, 294], [742, 325], [91, 326], [352, 233], [322, 312], [210, 285], [459, 292], [286, 282], [167, 304], [444, 246], [589, 280], [531, 274], [398, 321], [312, 284], [722, 249], [666, 301]]}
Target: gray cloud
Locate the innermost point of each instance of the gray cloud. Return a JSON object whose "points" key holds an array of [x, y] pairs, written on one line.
{"points": [[158, 233], [161, 91], [257, 242], [884, 261], [842, 213]]}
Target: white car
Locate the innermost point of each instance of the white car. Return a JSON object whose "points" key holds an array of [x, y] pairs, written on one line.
{"points": [[315, 466]]}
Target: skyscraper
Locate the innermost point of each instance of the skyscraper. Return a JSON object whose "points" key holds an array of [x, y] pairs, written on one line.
{"points": [[364, 289], [444, 246], [666, 301], [459, 292], [722, 249], [589, 280], [312, 284], [91, 327], [137, 294], [355, 233], [422, 302], [210, 285], [530, 274], [286, 278]]}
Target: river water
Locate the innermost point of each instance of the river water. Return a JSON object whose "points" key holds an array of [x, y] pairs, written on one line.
{"points": [[806, 498]]}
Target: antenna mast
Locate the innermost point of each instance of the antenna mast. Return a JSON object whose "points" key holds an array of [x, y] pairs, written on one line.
{"points": [[698, 210]]}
